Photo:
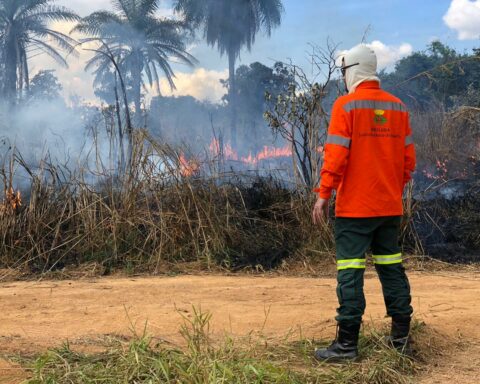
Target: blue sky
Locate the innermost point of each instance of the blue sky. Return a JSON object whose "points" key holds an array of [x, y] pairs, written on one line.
{"points": [[392, 22], [396, 28]]}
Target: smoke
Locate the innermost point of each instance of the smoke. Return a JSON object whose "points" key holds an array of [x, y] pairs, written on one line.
{"points": [[49, 131], [202, 84]]}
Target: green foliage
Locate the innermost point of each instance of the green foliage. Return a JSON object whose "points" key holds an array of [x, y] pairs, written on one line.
{"points": [[104, 86], [231, 25], [229, 362], [434, 77], [252, 83], [44, 87], [184, 119]]}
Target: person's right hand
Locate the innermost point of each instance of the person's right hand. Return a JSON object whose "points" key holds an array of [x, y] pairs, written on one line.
{"points": [[320, 211]]}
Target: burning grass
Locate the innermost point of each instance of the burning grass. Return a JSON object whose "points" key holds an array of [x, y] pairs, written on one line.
{"points": [[172, 208], [251, 360], [163, 211]]}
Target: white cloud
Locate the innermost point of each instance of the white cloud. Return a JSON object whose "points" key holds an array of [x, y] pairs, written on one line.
{"points": [[201, 84], [463, 16], [388, 55]]}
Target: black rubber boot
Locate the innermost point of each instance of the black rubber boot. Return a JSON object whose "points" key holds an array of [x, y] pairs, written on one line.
{"points": [[344, 347], [400, 335]]}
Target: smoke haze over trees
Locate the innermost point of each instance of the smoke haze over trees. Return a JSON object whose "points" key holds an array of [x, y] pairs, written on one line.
{"points": [[144, 45], [272, 120], [24, 31], [141, 43], [230, 26]]}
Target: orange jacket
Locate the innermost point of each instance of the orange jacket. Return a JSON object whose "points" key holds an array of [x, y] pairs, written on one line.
{"points": [[369, 153]]}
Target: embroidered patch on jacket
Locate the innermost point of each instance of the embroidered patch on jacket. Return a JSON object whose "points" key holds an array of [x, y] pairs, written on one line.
{"points": [[379, 116]]}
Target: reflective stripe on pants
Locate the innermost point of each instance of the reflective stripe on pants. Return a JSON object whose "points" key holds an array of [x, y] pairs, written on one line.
{"points": [[387, 259], [351, 263]]}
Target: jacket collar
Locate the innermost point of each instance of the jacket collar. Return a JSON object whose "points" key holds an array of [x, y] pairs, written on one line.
{"points": [[369, 85]]}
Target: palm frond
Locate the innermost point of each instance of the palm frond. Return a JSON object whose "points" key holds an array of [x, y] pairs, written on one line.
{"points": [[26, 24], [148, 7], [125, 7], [270, 14], [98, 23], [231, 25], [143, 43], [65, 42], [47, 13], [50, 51]]}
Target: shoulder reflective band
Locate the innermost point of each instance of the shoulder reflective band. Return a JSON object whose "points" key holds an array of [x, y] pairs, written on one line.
{"points": [[374, 104], [408, 140], [351, 264], [339, 140], [387, 259]]}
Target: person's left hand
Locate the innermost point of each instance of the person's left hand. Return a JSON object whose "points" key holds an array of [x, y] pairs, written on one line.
{"points": [[320, 211]]}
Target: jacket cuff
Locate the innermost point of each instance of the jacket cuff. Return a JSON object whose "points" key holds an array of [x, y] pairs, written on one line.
{"points": [[323, 192]]}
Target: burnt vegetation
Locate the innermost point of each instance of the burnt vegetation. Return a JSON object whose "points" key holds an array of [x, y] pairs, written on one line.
{"points": [[184, 181]]}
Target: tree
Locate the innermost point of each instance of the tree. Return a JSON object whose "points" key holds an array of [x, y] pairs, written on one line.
{"points": [[184, 120], [44, 87], [104, 86], [433, 77], [141, 43], [299, 114], [252, 83], [24, 31], [230, 26]]}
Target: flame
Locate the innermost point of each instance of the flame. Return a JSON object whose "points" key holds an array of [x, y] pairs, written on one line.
{"points": [[272, 152], [230, 153], [227, 150], [12, 201], [215, 147], [266, 153], [188, 167]]}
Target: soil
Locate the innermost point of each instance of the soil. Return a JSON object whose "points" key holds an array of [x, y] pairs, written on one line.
{"points": [[38, 315]]}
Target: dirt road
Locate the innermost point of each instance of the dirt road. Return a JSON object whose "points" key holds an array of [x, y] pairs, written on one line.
{"points": [[38, 315]]}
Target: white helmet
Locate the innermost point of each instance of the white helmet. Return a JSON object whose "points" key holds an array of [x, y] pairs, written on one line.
{"points": [[360, 65]]}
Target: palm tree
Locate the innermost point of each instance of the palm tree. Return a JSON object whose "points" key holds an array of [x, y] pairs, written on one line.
{"points": [[231, 25], [141, 43], [25, 32]]}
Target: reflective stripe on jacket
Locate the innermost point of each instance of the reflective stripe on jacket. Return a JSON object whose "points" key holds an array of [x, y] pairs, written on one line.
{"points": [[369, 153]]}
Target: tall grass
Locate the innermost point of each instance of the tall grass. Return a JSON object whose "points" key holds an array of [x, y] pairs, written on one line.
{"points": [[442, 210], [153, 214], [166, 210]]}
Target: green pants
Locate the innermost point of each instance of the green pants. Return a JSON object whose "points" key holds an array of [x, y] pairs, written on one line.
{"points": [[353, 238]]}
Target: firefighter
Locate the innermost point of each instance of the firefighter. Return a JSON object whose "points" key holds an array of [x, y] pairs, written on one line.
{"points": [[369, 158]]}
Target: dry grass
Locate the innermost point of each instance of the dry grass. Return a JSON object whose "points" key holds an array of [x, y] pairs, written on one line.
{"points": [[441, 209], [156, 219], [153, 216]]}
